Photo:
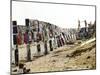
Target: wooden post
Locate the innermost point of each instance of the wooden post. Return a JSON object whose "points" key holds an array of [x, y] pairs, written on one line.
{"points": [[78, 34], [50, 43], [45, 40], [63, 34], [16, 53], [38, 48], [45, 46], [78, 25], [86, 28], [28, 52], [58, 42], [28, 44]]}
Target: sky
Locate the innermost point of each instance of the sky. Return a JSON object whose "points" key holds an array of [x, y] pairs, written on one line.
{"points": [[65, 16]]}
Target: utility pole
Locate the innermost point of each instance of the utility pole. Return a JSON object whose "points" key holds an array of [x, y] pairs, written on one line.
{"points": [[16, 53], [78, 34], [78, 25], [86, 28]]}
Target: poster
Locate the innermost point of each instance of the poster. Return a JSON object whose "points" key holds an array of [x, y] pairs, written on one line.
{"points": [[52, 37]]}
